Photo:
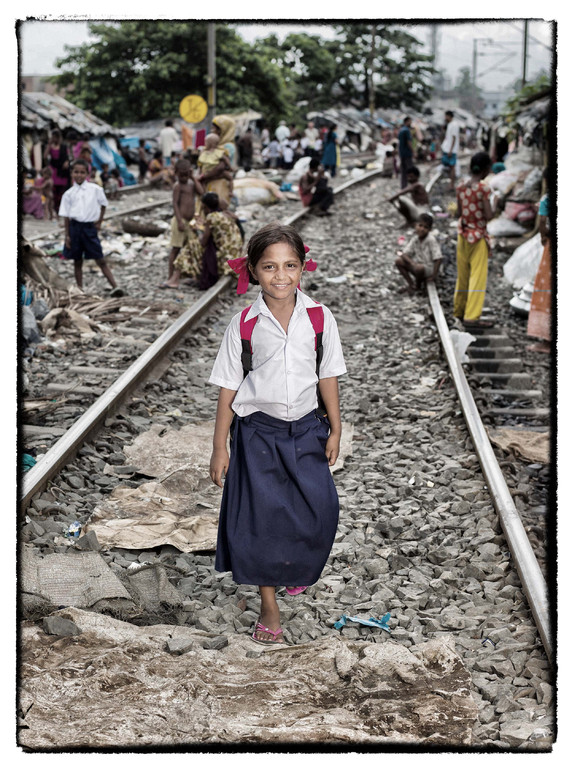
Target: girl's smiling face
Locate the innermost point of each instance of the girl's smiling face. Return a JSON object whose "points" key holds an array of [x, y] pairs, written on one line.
{"points": [[278, 271]]}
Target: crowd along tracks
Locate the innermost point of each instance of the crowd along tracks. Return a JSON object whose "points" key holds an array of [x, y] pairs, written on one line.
{"points": [[354, 264]]}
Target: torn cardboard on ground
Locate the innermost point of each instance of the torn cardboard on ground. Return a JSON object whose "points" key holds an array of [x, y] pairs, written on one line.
{"points": [[180, 505], [532, 446], [150, 516]]}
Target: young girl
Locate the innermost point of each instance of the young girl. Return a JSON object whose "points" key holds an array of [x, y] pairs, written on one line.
{"points": [[279, 509], [474, 207]]}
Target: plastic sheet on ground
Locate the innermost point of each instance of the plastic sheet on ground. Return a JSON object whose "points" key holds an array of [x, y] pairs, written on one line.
{"points": [[118, 686], [64, 318], [382, 623], [522, 266], [503, 227], [461, 341], [531, 446]]}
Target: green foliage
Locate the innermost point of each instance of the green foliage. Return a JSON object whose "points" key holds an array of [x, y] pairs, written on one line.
{"points": [[385, 55], [140, 70], [541, 84]]}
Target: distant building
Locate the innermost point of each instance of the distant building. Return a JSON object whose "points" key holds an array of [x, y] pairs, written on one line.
{"points": [[41, 84], [494, 102]]}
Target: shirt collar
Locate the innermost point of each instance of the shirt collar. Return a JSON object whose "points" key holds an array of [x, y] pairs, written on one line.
{"points": [[261, 308]]}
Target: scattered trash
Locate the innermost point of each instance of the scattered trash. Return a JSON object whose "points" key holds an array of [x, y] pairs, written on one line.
{"points": [[488, 641], [27, 462], [371, 622], [73, 530], [461, 340], [340, 279], [285, 187], [436, 208], [26, 295], [522, 266], [401, 240]]}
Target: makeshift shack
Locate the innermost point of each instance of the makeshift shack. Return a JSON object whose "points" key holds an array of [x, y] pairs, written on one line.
{"points": [[41, 113]]}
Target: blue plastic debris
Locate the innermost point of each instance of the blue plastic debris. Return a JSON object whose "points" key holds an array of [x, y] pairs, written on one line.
{"points": [[371, 622], [27, 462], [285, 187]]}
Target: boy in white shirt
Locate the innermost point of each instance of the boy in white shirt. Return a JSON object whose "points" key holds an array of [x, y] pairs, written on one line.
{"points": [[450, 145], [82, 209]]}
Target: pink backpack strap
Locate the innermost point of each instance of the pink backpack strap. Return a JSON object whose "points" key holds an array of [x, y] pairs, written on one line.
{"points": [[246, 329], [316, 315]]}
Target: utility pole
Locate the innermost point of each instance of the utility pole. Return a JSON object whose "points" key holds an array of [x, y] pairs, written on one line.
{"points": [[371, 87], [524, 52], [474, 88], [211, 72]]}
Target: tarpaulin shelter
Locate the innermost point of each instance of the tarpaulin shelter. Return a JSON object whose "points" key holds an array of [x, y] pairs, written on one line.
{"points": [[42, 112]]}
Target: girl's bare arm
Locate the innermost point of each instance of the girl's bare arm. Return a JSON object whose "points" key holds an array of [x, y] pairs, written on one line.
{"points": [[224, 416], [331, 397]]}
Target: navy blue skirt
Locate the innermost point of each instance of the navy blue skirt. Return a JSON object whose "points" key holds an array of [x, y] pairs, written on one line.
{"points": [[279, 510]]}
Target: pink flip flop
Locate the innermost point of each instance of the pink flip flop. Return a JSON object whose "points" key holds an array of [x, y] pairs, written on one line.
{"points": [[296, 590], [261, 628]]}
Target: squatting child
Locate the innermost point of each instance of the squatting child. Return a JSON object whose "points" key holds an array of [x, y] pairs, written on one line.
{"points": [[82, 209], [280, 507], [420, 261], [417, 201]]}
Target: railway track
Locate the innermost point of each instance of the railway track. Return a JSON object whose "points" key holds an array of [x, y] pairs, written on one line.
{"points": [[531, 580]]}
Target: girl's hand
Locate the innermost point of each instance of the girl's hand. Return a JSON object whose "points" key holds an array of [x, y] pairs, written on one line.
{"points": [[219, 465], [332, 449]]}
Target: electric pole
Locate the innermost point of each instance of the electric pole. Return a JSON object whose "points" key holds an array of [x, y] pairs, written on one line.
{"points": [[524, 52], [211, 71]]}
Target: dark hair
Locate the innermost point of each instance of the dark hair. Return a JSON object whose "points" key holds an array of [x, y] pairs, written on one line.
{"points": [[427, 219], [314, 163], [414, 170], [141, 142], [272, 233], [182, 165], [480, 162], [80, 161], [406, 119], [210, 199], [115, 172], [158, 154], [168, 122], [449, 113]]}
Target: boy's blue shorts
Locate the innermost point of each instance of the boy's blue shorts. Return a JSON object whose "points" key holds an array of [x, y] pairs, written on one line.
{"points": [[449, 160], [84, 241]]}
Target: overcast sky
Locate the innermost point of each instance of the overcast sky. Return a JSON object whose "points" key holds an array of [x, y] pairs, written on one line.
{"points": [[499, 45]]}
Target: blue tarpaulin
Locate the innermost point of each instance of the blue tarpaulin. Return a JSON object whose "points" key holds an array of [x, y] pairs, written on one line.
{"points": [[102, 153]]}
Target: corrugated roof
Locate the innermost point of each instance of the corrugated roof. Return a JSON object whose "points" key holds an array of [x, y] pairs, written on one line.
{"points": [[43, 110]]}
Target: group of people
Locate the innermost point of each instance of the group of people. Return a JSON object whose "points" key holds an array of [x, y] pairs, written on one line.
{"points": [[420, 260], [289, 145]]}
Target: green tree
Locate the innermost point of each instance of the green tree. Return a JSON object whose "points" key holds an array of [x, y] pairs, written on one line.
{"points": [[468, 97], [379, 65], [140, 70]]}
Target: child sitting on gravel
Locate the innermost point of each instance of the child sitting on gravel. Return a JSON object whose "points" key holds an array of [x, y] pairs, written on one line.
{"points": [[279, 510], [421, 258], [411, 207]]}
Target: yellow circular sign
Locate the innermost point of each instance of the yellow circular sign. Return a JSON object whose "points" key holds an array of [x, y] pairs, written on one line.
{"points": [[193, 109]]}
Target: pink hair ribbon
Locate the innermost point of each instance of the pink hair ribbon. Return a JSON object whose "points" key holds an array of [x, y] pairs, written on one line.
{"points": [[310, 264], [239, 266]]}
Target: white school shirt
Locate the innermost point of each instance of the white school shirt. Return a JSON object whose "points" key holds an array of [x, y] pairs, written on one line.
{"points": [[83, 202], [283, 379], [450, 143]]}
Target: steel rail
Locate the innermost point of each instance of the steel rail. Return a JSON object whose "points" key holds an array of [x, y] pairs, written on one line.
{"points": [[532, 580], [68, 444]]}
